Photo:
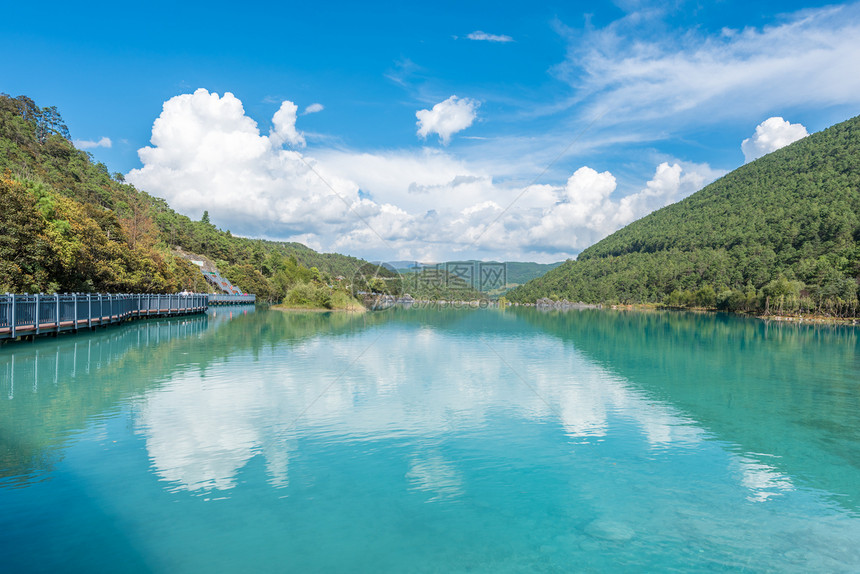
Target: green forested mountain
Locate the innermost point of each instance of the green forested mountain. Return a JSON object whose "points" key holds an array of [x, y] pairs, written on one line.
{"points": [[436, 284], [69, 225], [781, 233]]}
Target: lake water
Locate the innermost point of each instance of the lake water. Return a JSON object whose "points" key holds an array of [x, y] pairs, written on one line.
{"points": [[433, 441]]}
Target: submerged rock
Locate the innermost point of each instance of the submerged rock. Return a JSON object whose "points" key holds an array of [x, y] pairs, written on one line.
{"points": [[609, 530]]}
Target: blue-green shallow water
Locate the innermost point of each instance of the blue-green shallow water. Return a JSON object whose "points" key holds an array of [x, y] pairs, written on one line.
{"points": [[433, 441]]}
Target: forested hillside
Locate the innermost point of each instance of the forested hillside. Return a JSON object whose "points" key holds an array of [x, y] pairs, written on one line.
{"points": [[69, 225], [519, 272], [780, 234]]}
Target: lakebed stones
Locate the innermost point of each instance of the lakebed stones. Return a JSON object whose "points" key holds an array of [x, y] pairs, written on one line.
{"points": [[610, 530]]}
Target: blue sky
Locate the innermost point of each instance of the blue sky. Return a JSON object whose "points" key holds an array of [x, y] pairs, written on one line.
{"points": [[545, 127]]}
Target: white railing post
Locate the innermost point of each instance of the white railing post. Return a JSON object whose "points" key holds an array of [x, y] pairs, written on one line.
{"points": [[14, 319]]}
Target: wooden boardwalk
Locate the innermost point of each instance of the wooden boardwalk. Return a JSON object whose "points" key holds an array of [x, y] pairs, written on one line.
{"points": [[32, 315], [227, 299]]}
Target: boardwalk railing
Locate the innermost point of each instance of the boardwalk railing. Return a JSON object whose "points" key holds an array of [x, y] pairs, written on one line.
{"points": [[221, 299], [22, 315]]}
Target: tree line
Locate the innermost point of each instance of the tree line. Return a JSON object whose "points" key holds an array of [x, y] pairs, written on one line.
{"points": [[71, 226], [778, 235]]}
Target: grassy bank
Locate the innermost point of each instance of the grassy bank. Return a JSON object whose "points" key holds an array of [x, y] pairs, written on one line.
{"points": [[317, 297], [358, 308]]}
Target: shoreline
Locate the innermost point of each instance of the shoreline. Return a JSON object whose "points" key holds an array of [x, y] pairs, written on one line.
{"points": [[810, 319], [818, 319], [285, 309], [640, 307]]}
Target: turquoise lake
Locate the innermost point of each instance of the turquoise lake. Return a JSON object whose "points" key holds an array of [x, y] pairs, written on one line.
{"points": [[414, 440]]}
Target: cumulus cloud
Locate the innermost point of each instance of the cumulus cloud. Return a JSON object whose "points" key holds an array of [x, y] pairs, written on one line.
{"points": [[284, 122], [770, 135], [467, 212], [585, 211], [313, 108], [206, 154], [670, 184], [89, 144], [580, 214], [483, 36], [447, 118], [428, 205], [810, 58]]}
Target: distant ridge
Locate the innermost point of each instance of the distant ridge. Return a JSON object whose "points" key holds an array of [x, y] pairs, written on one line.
{"points": [[515, 272], [780, 233]]}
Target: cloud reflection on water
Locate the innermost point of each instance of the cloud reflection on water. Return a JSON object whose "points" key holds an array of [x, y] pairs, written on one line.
{"points": [[419, 384]]}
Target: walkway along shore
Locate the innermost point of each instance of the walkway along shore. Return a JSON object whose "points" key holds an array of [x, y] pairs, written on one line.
{"points": [[225, 299], [31, 315]]}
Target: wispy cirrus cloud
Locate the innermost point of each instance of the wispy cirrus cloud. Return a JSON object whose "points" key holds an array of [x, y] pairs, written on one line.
{"points": [[484, 37], [313, 108], [809, 58], [104, 142]]}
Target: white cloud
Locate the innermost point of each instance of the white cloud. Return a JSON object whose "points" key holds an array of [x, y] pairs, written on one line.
{"points": [[586, 213], [284, 122], [483, 36], [313, 108], [811, 58], [89, 144], [417, 181], [579, 215], [670, 184], [770, 135], [206, 154], [447, 118], [466, 213]]}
